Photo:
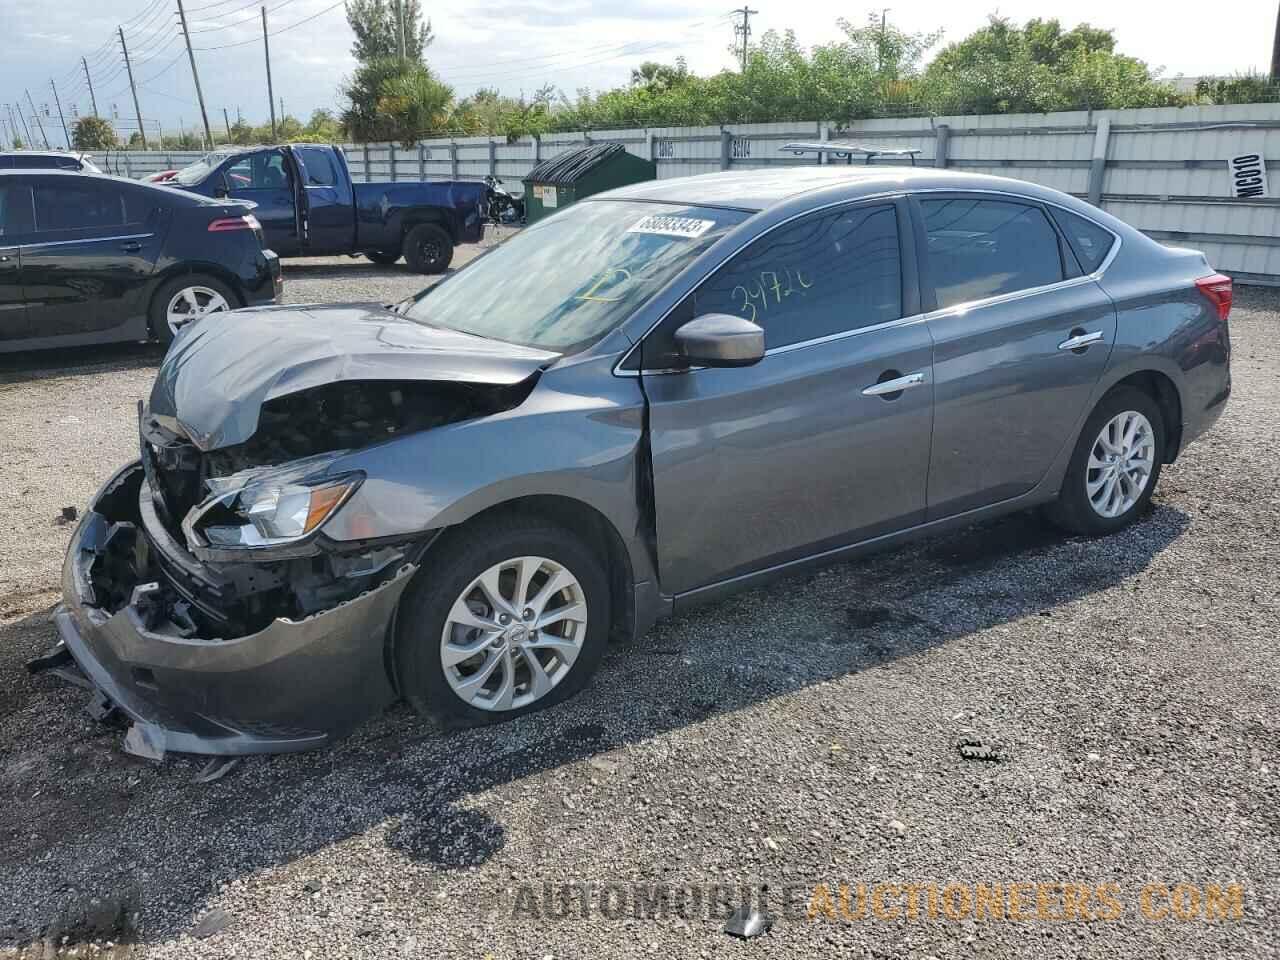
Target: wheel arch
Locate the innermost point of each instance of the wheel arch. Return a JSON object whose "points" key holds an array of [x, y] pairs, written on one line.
{"points": [[584, 521], [190, 268], [1160, 387], [417, 216]]}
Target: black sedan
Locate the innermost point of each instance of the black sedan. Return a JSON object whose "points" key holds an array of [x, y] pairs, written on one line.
{"points": [[86, 258]]}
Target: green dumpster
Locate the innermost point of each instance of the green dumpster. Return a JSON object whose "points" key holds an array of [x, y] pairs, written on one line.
{"points": [[574, 174]]}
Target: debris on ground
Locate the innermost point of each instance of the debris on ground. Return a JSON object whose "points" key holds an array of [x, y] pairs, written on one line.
{"points": [[978, 750], [747, 922], [215, 921], [67, 515]]}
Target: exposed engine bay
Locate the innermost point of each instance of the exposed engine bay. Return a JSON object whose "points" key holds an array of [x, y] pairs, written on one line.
{"points": [[168, 570]]}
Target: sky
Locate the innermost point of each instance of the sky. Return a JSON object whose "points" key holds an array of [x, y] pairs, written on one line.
{"points": [[516, 47]]}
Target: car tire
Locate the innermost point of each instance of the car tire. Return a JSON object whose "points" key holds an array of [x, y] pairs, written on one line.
{"points": [[200, 291], [384, 257], [447, 613], [428, 248], [1099, 495]]}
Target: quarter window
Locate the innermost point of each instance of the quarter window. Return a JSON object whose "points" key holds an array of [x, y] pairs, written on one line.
{"points": [[827, 274], [1090, 242], [983, 248]]}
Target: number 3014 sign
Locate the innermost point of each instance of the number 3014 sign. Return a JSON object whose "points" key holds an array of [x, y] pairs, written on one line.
{"points": [[1248, 176]]}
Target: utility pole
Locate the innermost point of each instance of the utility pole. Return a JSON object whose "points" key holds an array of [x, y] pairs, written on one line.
{"points": [[89, 80], [884, 24], [271, 97], [25, 130], [226, 121], [400, 21], [1275, 52], [743, 30], [129, 69], [61, 118], [182, 15], [39, 122]]}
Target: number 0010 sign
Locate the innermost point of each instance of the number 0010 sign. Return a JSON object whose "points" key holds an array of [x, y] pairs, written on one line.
{"points": [[1248, 176]]}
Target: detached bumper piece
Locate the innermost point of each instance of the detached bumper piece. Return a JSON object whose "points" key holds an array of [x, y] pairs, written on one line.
{"points": [[294, 684]]}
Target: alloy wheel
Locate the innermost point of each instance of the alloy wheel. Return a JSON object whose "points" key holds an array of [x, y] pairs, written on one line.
{"points": [[1120, 464], [514, 633], [192, 303]]}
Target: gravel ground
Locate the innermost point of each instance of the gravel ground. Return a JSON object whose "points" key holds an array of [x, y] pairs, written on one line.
{"points": [[800, 734]]}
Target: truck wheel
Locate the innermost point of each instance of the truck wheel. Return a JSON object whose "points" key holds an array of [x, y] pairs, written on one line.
{"points": [[510, 618], [428, 249], [184, 300], [384, 257]]}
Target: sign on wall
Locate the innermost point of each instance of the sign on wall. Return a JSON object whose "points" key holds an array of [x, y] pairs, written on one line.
{"points": [[1248, 176]]}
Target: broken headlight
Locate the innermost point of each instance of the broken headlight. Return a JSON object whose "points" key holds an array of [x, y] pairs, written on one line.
{"points": [[265, 513]]}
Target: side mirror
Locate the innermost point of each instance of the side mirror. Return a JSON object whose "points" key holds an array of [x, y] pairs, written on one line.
{"points": [[720, 340]]}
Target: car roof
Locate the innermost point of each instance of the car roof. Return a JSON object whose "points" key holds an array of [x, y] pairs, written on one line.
{"points": [[44, 153], [761, 189], [191, 199]]}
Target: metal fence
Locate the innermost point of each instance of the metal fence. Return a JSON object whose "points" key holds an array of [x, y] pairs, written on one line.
{"points": [[1165, 170]]}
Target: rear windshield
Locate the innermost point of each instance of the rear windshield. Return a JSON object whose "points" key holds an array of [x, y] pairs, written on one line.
{"points": [[568, 280]]}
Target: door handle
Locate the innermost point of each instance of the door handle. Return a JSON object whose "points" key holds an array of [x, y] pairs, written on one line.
{"points": [[133, 246], [1078, 341], [896, 385]]}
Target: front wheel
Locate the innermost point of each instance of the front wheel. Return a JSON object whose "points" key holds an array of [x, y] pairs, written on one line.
{"points": [[506, 618], [428, 248], [1114, 467]]}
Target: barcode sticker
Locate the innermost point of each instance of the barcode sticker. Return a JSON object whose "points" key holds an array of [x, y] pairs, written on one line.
{"points": [[687, 227]]}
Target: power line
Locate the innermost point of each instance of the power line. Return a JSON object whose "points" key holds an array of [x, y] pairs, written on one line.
{"points": [[296, 23], [250, 19]]}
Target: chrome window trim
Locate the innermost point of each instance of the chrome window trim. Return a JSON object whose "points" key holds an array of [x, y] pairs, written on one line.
{"points": [[902, 321], [63, 243]]}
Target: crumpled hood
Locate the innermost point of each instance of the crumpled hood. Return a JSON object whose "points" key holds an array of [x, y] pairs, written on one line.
{"points": [[219, 372]]}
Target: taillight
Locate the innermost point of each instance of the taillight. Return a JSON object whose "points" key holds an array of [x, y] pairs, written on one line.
{"points": [[1218, 289], [247, 222]]}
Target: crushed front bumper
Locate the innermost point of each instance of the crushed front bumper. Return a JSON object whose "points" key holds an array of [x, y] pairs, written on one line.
{"points": [[293, 685]]}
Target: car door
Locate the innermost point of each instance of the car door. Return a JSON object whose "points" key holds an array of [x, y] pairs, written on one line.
{"points": [[93, 249], [16, 220], [265, 178], [826, 440], [329, 209], [1020, 339]]}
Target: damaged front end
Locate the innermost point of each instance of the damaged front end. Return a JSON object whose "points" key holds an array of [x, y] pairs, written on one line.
{"points": [[224, 658], [201, 595]]}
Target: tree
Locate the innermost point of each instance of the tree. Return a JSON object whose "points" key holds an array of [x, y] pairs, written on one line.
{"points": [[92, 133], [394, 99], [376, 24]]}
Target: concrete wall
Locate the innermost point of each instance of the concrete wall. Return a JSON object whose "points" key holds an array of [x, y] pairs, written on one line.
{"points": [[1163, 169]]}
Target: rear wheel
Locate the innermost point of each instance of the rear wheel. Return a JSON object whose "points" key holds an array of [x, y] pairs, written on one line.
{"points": [[428, 248], [1114, 467], [384, 257], [509, 618], [185, 299]]}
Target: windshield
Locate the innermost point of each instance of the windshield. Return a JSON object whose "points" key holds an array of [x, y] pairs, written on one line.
{"points": [[568, 280], [189, 176]]}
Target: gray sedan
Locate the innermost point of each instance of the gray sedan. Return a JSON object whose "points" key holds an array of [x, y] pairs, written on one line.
{"points": [[654, 398]]}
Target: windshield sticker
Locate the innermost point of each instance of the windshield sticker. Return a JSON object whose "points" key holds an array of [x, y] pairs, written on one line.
{"points": [[686, 227]]}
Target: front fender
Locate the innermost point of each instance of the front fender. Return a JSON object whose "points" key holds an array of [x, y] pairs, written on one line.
{"points": [[576, 436]]}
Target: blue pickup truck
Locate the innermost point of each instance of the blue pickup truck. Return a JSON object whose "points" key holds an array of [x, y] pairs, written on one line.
{"points": [[309, 206]]}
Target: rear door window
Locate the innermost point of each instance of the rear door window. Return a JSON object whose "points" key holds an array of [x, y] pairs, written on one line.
{"points": [[980, 248], [73, 204], [16, 216]]}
